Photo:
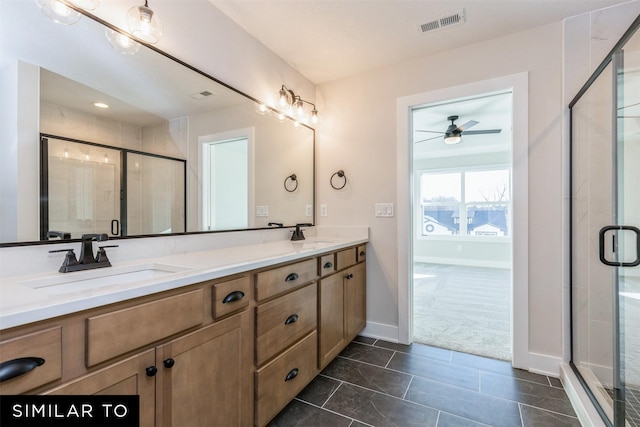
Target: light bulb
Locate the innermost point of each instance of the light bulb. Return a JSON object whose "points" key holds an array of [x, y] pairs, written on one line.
{"points": [[299, 108], [144, 23], [314, 116], [121, 42], [66, 153], [59, 12], [282, 97]]}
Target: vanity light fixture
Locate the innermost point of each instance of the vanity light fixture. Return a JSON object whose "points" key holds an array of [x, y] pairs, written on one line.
{"points": [[144, 23], [121, 42], [59, 12], [295, 106]]}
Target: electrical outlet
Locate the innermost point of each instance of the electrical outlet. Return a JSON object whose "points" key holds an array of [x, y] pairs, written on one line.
{"points": [[323, 210], [262, 210], [308, 210], [384, 210]]}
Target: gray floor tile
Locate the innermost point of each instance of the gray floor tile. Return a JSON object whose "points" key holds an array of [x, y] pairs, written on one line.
{"points": [[555, 382], [300, 414], [534, 417], [447, 420], [366, 353], [364, 340], [533, 394], [378, 409], [468, 378], [496, 366], [319, 390], [468, 404], [368, 376]]}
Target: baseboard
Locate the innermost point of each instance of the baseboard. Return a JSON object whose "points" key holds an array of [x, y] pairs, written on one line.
{"points": [[544, 364], [380, 331], [581, 403]]}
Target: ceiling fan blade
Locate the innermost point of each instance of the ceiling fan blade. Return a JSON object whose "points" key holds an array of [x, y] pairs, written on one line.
{"points": [[428, 139], [481, 132], [467, 125], [430, 131]]}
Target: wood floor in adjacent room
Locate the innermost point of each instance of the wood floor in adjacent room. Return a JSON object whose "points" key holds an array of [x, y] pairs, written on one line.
{"points": [[378, 383]]}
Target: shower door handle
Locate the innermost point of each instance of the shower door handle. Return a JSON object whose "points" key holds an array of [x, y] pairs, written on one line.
{"points": [[602, 235]]}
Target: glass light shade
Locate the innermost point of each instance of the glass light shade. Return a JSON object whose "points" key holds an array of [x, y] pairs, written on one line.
{"points": [[122, 43], [298, 107], [451, 140], [314, 116], [283, 97], [144, 24], [59, 12]]}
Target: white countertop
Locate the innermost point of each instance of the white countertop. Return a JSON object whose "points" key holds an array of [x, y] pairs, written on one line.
{"points": [[21, 304]]}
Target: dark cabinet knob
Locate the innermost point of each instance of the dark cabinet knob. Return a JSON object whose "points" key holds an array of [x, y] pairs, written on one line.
{"points": [[151, 371], [16, 367], [291, 319], [233, 296], [168, 363], [292, 374]]}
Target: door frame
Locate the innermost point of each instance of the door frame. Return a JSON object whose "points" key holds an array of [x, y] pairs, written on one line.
{"points": [[518, 84]]}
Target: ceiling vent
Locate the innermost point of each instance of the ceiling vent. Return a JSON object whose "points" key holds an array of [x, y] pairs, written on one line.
{"points": [[202, 95], [444, 21]]}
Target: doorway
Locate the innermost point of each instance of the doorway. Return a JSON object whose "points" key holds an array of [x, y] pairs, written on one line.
{"points": [[411, 210], [462, 224]]}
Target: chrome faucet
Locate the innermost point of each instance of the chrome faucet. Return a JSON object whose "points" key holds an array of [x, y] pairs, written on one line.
{"points": [[87, 259], [297, 233]]}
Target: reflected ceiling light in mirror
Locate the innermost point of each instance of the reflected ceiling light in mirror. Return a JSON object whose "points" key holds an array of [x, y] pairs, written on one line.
{"points": [[121, 42], [100, 105], [144, 23], [294, 105], [59, 12]]}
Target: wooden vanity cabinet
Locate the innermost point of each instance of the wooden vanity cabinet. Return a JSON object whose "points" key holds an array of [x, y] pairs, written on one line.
{"points": [[342, 304]]}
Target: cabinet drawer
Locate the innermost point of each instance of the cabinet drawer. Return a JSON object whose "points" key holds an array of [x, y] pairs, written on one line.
{"points": [[112, 334], [361, 253], [327, 264], [284, 320], [273, 282], [279, 381], [45, 345], [230, 296], [345, 258]]}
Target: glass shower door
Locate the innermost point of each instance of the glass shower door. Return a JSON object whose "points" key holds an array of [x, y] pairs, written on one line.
{"points": [[605, 235]]}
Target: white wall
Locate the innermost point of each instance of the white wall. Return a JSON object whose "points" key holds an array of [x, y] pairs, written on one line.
{"points": [[358, 134]]}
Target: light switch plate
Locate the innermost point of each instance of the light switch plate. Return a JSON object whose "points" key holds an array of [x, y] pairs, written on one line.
{"points": [[384, 210], [323, 210], [308, 210], [262, 210]]}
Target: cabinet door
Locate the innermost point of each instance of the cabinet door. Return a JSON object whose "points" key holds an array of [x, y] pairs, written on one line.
{"points": [[355, 300], [331, 319], [123, 378], [205, 377]]}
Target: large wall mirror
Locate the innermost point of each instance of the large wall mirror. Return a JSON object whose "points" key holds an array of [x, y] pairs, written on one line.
{"points": [[238, 160]]}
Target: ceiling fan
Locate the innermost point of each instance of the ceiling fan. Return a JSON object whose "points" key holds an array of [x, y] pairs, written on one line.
{"points": [[453, 134]]}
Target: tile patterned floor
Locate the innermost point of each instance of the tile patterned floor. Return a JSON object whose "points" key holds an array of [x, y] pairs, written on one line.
{"points": [[378, 383]]}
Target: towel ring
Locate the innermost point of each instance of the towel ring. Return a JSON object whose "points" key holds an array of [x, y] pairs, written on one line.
{"points": [[340, 174], [293, 178]]}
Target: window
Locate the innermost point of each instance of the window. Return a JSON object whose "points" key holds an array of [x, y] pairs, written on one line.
{"points": [[465, 202]]}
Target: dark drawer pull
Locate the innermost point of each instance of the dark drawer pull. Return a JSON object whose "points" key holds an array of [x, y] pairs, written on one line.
{"points": [[16, 367], [328, 265], [168, 363], [291, 277], [291, 375], [233, 296], [291, 319], [151, 371], [363, 254], [349, 276]]}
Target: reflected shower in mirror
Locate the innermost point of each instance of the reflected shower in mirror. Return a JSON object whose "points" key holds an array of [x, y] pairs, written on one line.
{"points": [[54, 75]]}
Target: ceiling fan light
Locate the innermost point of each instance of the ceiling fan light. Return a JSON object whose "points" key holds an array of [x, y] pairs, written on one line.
{"points": [[452, 139]]}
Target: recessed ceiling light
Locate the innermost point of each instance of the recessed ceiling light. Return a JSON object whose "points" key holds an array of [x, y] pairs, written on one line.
{"points": [[100, 105]]}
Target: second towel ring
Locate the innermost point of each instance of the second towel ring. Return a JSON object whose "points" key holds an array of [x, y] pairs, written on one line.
{"points": [[293, 178], [340, 174]]}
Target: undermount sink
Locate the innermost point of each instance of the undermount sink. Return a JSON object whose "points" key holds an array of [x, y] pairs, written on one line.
{"points": [[107, 279]]}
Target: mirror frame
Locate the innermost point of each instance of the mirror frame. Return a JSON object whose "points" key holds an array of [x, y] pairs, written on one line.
{"points": [[208, 76]]}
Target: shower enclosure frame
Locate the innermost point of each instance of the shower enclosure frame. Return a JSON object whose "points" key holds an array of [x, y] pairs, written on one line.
{"points": [[615, 59]]}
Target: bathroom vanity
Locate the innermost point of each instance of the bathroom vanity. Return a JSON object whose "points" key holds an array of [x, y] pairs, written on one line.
{"points": [[213, 341]]}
